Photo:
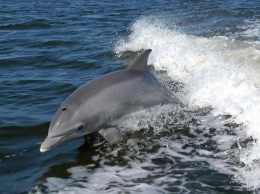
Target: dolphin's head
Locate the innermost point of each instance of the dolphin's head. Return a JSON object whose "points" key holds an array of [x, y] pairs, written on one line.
{"points": [[66, 124]]}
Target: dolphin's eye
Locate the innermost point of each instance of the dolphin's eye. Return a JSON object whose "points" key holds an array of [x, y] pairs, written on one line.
{"points": [[64, 108], [80, 127]]}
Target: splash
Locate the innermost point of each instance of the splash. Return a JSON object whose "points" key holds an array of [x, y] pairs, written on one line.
{"points": [[217, 72], [250, 31]]}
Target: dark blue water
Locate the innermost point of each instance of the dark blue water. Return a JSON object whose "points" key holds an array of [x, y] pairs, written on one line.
{"points": [[49, 48]]}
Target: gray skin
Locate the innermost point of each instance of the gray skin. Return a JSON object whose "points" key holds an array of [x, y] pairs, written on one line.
{"points": [[99, 103]]}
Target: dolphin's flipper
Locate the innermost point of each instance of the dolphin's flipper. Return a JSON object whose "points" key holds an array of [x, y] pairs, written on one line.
{"points": [[112, 135], [140, 62], [94, 139]]}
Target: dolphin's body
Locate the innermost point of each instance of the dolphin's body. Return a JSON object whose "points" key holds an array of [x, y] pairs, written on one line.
{"points": [[99, 104]]}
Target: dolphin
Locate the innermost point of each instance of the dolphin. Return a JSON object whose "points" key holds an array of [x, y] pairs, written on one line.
{"points": [[98, 105]]}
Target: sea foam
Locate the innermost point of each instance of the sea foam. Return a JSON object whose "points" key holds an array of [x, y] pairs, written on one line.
{"points": [[218, 72]]}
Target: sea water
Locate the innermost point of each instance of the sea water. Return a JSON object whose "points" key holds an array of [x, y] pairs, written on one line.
{"points": [[206, 52]]}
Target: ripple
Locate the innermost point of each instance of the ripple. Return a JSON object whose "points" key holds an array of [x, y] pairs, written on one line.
{"points": [[34, 24]]}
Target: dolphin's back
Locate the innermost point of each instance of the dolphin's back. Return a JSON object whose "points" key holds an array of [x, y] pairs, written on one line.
{"points": [[131, 88], [114, 95]]}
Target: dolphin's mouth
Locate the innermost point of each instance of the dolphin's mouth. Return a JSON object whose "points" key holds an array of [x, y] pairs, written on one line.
{"points": [[51, 142], [42, 150]]}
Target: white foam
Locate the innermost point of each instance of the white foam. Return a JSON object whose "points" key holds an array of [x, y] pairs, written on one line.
{"points": [[145, 118], [139, 172], [217, 72], [250, 30], [130, 178]]}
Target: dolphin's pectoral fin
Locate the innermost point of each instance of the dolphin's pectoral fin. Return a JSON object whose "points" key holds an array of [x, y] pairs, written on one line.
{"points": [[112, 135], [93, 139]]}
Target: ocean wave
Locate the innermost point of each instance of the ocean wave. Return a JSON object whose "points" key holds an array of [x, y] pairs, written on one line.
{"points": [[38, 23], [166, 148], [216, 72], [9, 132], [250, 31]]}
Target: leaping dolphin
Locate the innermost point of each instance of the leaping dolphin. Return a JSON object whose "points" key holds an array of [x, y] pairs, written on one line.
{"points": [[99, 104]]}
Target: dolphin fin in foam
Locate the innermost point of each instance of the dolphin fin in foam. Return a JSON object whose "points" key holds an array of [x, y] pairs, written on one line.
{"points": [[112, 135], [140, 62]]}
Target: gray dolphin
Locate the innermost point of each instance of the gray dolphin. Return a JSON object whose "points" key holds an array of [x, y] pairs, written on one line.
{"points": [[100, 103]]}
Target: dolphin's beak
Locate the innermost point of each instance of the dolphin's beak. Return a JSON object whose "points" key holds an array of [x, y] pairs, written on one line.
{"points": [[50, 142]]}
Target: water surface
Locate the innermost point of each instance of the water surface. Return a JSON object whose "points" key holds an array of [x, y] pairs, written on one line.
{"points": [[206, 52]]}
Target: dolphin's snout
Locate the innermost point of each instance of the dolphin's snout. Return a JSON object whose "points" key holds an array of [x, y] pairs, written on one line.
{"points": [[42, 150], [49, 142]]}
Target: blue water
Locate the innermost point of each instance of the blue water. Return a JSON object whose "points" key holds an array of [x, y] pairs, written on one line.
{"points": [[49, 48]]}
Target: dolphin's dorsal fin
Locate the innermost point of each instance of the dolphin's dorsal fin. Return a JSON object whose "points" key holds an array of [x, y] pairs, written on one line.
{"points": [[140, 62]]}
